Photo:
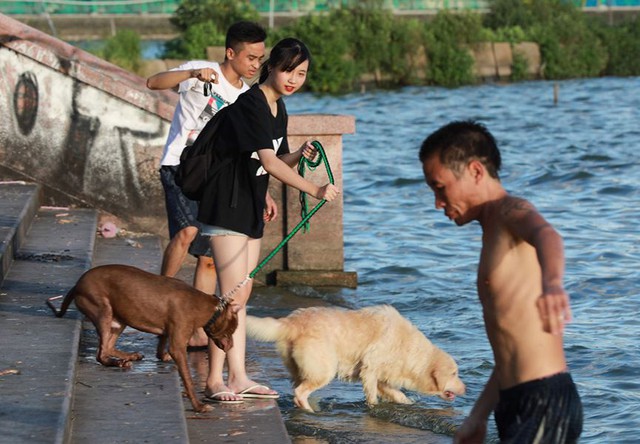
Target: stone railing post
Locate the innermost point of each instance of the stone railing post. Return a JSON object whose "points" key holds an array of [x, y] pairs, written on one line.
{"points": [[315, 257]]}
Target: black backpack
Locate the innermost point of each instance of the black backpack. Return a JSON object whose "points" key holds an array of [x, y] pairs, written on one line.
{"points": [[196, 161]]}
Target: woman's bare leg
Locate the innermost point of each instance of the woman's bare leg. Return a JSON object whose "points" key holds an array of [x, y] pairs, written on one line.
{"points": [[238, 379], [230, 254], [235, 257], [204, 279]]}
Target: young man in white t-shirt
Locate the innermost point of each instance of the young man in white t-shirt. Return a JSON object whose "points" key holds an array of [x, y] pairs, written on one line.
{"points": [[204, 87]]}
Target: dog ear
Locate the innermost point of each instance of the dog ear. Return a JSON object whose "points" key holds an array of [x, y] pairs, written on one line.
{"points": [[435, 378]]}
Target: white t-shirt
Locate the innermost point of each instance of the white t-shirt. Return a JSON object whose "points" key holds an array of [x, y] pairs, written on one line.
{"points": [[194, 109]]}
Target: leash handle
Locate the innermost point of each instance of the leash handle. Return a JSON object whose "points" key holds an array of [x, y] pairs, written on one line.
{"points": [[312, 166]]}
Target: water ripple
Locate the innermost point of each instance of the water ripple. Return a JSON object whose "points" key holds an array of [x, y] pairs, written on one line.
{"points": [[575, 160]]}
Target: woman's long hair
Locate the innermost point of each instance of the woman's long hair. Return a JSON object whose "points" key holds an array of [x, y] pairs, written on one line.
{"points": [[285, 56]]}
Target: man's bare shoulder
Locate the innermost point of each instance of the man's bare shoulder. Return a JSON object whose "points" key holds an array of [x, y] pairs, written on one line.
{"points": [[515, 206], [521, 218]]}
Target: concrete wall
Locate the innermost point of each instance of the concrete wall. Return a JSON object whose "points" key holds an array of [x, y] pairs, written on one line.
{"points": [[494, 60], [93, 135], [83, 127]]}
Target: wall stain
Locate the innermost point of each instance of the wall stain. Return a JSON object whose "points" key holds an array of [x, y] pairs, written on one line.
{"points": [[25, 102]]}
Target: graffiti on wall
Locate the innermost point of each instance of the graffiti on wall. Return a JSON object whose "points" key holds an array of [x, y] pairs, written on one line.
{"points": [[80, 140]]}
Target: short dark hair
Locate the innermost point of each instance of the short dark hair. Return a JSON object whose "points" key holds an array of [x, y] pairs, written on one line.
{"points": [[244, 32], [459, 142], [286, 55]]}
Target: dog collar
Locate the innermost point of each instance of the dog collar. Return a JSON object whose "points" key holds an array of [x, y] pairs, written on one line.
{"points": [[223, 302]]}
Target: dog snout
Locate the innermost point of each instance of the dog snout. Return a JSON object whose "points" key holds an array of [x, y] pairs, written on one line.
{"points": [[456, 387]]}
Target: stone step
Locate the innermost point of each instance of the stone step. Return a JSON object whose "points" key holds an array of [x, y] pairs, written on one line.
{"points": [[145, 403], [52, 388], [19, 203], [39, 351], [141, 404]]}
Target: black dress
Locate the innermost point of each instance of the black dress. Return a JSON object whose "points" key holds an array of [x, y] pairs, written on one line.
{"points": [[235, 197]]}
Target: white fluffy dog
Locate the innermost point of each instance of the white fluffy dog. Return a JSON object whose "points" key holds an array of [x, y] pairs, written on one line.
{"points": [[375, 345]]}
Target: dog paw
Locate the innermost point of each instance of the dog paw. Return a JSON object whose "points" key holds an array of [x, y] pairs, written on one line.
{"points": [[203, 408], [303, 404]]}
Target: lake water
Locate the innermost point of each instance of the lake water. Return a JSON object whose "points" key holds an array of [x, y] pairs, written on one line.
{"points": [[576, 160], [149, 49]]}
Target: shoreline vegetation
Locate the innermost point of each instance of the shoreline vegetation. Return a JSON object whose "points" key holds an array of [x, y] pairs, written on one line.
{"points": [[514, 40]]}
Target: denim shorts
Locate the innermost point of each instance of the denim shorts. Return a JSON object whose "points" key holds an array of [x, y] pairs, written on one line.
{"points": [[212, 230], [182, 212]]}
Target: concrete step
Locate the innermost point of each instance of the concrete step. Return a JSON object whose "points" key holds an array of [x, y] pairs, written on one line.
{"points": [[145, 403], [19, 203], [52, 388], [38, 351], [141, 404]]}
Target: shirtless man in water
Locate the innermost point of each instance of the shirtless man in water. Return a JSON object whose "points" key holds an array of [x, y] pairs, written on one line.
{"points": [[520, 288]]}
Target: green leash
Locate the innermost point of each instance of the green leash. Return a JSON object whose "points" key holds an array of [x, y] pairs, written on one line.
{"points": [[312, 166], [305, 214]]}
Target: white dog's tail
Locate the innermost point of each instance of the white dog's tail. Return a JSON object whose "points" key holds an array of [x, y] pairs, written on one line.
{"points": [[264, 329]]}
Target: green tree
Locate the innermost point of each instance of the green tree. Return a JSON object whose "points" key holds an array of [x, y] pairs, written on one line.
{"points": [[525, 13], [193, 42], [327, 37], [204, 23], [370, 30], [222, 13], [123, 49], [569, 48], [448, 37], [407, 55], [622, 43], [568, 45]]}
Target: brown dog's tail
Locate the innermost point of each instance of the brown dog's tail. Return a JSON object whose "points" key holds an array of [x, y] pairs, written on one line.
{"points": [[65, 303], [264, 329]]}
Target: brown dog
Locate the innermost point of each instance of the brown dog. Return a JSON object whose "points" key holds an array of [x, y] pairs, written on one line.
{"points": [[116, 296], [374, 345]]}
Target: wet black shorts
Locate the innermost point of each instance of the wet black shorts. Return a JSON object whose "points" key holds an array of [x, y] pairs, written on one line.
{"points": [[182, 212], [543, 411]]}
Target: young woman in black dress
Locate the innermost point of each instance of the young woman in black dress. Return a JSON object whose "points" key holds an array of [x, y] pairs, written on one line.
{"points": [[232, 211]]}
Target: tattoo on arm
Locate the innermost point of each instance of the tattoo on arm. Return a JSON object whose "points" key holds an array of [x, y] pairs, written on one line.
{"points": [[516, 209], [515, 205]]}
